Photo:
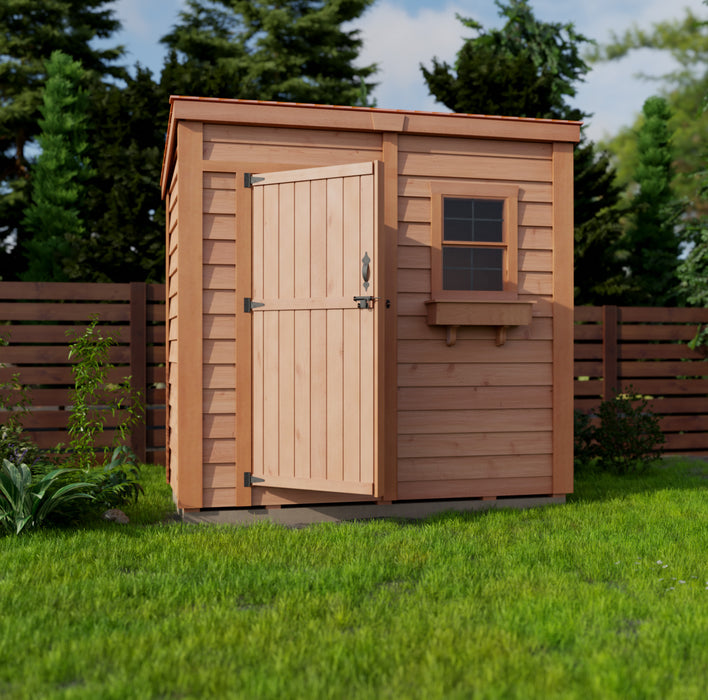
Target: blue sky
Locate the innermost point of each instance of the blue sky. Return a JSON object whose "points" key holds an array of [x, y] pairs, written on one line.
{"points": [[401, 34]]}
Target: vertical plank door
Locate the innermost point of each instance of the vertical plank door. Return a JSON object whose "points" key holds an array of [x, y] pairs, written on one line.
{"points": [[316, 353]]}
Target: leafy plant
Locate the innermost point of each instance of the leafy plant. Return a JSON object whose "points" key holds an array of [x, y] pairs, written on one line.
{"points": [[25, 503], [95, 399], [626, 439]]}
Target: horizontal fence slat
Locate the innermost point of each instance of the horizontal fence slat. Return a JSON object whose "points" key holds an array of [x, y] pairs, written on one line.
{"points": [[66, 291], [36, 311], [655, 361], [40, 321]]}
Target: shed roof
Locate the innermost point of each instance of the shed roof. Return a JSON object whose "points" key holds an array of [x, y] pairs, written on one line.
{"points": [[339, 118]]}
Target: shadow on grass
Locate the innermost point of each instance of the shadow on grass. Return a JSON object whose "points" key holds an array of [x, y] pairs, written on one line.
{"points": [[669, 473]]}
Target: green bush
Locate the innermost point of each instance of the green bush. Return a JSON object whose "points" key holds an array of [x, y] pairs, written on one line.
{"points": [[623, 436], [28, 501]]}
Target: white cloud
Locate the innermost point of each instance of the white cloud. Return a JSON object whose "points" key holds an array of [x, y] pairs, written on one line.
{"points": [[399, 41]]}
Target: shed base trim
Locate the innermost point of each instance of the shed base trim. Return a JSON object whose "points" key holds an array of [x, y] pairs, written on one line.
{"points": [[297, 516]]}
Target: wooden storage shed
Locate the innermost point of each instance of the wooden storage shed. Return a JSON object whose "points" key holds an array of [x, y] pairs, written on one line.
{"points": [[366, 305]]}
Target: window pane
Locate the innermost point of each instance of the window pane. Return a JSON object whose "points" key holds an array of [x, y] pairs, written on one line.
{"points": [[473, 269], [457, 268], [459, 230], [472, 220], [458, 208], [489, 209], [488, 231]]}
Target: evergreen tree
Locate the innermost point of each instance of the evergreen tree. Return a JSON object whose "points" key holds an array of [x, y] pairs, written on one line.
{"points": [[29, 32], [59, 177], [651, 238], [530, 68], [282, 50], [124, 211], [685, 40], [526, 69]]}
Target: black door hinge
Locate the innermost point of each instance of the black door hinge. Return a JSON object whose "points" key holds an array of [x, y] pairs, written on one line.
{"points": [[249, 479], [249, 305], [249, 179]]}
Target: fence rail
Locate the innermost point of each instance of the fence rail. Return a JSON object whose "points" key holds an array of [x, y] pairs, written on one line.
{"points": [[39, 321], [646, 350]]}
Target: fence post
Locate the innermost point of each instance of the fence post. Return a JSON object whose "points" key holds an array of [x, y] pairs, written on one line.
{"points": [[610, 367], [138, 362]]}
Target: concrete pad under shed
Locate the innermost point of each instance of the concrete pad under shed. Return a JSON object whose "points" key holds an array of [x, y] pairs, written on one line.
{"points": [[297, 516]]}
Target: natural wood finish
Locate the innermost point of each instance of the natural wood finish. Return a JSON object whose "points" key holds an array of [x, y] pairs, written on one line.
{"points": [[475, 488], [299, 137], [314, 385], [484, 467], [609, 360], [474, 374], [473, 421], [243, 423], [562, 318], [350, 120], [189, 400], [389, 473], [479, 313], [424, 351], [487, 168]]}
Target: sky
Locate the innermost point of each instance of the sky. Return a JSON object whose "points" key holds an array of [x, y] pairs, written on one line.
{"points": [[399, 35]]}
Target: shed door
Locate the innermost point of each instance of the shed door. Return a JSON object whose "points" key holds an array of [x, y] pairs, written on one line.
{"points": [[315, 352]]}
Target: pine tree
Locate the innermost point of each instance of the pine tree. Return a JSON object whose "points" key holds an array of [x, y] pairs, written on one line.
{"points": [[29, 32], [59, 177], [124, 212], [282, 50], [651, 238]]}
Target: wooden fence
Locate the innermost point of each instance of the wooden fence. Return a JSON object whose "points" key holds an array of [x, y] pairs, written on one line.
{"points": [[39, 320], [615, 348], [646, 349]]}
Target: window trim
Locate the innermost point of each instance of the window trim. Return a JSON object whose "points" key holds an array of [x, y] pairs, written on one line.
{"points": [[510, 235]]}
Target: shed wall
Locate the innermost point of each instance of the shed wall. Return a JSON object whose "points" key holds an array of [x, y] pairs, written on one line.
{"points": [[219, 337], [172, 335], [474, 419]]}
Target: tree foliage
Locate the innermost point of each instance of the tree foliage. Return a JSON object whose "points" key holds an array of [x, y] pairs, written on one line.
{"points": [[530, 68], [526, 69], [124, 209], [29, 32], [685, 89], [59, 178], [284, 50], [651, 236]]}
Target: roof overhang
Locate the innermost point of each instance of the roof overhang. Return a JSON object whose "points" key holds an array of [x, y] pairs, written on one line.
{"points": [[337, 118]]}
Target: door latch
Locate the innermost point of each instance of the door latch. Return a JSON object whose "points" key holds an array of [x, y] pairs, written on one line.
{"points": [[363, 302]]}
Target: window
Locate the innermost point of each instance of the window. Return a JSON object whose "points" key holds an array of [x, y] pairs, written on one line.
{"points": [[474, 239]]}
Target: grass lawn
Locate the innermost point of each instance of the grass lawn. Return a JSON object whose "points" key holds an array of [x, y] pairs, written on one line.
{"points": [[605, 597]]}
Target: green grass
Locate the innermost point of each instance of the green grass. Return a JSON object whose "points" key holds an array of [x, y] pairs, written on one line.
{"points": [[565, 601]]}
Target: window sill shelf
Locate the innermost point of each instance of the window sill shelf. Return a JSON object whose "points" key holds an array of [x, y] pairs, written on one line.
{"points": [[498, 314]]}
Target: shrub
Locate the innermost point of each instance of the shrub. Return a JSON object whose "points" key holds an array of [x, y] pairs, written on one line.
{"points": [[626, 438], [28, 501]]}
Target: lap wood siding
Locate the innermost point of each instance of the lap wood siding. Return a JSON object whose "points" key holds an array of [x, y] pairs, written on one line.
{"points": [[492, 445]]}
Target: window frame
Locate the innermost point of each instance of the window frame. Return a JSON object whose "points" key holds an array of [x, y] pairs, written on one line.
{"points": [[509, 194]]}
